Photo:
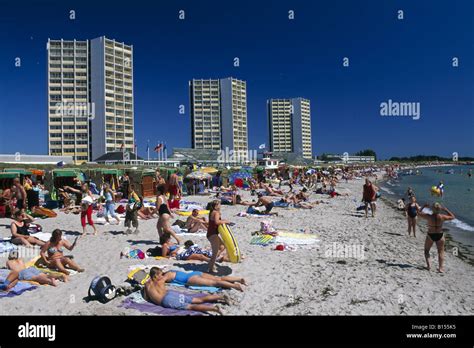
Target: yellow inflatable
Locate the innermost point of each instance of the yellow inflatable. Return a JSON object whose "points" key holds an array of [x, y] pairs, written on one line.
{"points": [[435, 191], [230, 243], [187, 213]]}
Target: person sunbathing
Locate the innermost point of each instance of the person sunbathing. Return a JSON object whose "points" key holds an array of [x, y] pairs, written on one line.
{"points": [[192, 251], [17, 265], [271, 191], [262, 201], [20, 234], [204, 279], [146, 213], [155, 292], [168, 248], [195, 222], [52, 253]]}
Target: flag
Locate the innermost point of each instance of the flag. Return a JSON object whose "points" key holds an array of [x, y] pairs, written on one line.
{"points": [[158, 147], [122, 146], [147, 147], [164, 147], [262, 146]]}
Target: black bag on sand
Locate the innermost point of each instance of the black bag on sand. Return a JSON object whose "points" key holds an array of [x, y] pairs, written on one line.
{"points": [[101, 289]]}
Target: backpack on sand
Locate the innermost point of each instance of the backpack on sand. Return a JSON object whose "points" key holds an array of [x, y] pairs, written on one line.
{"points": [[101, 289]]}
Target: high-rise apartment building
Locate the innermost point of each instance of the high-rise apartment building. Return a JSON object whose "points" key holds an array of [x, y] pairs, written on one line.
{"points": [[290, 126], [234, 116], [219, 114], [205, 114], [111, 86], [90, 98], [68, 99]]}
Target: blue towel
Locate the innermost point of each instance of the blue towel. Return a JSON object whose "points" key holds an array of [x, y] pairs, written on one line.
{"points": [[18, 289], [281, 204], [210, 289]]}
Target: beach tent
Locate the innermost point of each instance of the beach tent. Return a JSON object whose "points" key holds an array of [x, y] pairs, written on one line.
{"points": [[143, 181], [6, 179], [105, 176]]}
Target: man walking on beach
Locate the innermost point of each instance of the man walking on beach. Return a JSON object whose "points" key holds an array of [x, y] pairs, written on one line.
{"points": [[369, 196]]}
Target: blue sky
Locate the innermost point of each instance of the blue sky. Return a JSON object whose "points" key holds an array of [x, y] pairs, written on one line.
{"points": [[404, 60]]}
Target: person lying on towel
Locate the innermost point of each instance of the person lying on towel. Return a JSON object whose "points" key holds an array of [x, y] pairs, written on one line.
{"points": [[155, 292], [17, 266], [262, 201]]}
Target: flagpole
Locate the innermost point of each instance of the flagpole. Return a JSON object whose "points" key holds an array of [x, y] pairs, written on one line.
{"points": [[148, 150], [166, 152]]}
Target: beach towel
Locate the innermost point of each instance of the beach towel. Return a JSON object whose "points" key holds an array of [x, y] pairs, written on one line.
{"points": [[36, 262], [261, 240], [19, 287], [244, 214], [279, 204], [6, 247], [184, 232], [137, 302]]}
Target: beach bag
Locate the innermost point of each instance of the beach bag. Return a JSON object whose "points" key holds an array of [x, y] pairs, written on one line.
{"points": [[120, 209], [101, 289]]}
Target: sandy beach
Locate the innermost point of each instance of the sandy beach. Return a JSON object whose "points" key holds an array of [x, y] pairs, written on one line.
{"points": [[387, 278]]}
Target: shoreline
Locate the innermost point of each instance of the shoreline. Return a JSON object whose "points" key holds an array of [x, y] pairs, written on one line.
{"points": [[453, 231]]}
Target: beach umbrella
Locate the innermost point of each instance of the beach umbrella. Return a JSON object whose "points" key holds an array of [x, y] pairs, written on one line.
{"points": [[239, 177], [198, 175], [209, 170]]}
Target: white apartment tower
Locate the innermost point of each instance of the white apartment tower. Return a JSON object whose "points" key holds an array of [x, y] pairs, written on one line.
{"points": [[290, 126], [68, 99], [219, 114], [111, 85], [90, 98]]}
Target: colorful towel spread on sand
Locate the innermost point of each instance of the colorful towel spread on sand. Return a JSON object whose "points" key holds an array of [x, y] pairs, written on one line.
{"points": [[36, 262], [261, 240], [137, 302], [18, 289]]}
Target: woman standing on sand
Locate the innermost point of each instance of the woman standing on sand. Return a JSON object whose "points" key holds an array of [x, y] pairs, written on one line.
{"points": [[109, 195], [212, 233], [435, 232], [86, 207], [411, 211]]}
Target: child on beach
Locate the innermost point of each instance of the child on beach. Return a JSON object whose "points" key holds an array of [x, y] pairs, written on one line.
{"points": [[131, 214]]}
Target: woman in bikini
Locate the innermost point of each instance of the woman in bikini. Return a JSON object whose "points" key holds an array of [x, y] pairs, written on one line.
{"points": [[212, 233], [52, 253], [163, 225], [411, 211], [435, 234]]}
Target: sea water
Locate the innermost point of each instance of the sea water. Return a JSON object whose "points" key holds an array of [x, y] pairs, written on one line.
{"points": [[458, 198]]}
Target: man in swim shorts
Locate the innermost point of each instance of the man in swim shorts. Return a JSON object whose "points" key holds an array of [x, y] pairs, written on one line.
{"points": [[17, 266], [155, 292], [262, 201]]}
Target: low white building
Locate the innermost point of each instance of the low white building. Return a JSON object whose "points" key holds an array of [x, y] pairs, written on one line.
{"points": [[20, 158]]}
